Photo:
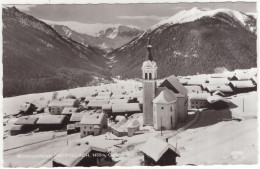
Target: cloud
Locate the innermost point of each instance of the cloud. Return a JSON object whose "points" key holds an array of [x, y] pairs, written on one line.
{"points": [[150, 17], [84, 28]]}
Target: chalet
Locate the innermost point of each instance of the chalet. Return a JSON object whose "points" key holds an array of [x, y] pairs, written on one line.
{"points": [[80, 154], [159, 152], [125, 127], [218, 102], [57, 106], [92, 124], [173, 84], [165, 110], [96, 104], [51, 122], [242, 86], [198, 100], [27, 109]]}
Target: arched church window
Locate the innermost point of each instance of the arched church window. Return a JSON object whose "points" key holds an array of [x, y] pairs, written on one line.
{"points": [[145, 76], [150, 75], [171, 109]]}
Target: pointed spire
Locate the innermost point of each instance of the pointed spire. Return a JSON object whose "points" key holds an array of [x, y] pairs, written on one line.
{"points": [[149, 53]]}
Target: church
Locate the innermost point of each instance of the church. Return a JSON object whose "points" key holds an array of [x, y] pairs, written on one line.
{"points": [[163, 105]]}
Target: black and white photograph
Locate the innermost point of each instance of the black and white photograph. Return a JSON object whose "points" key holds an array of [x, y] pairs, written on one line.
{"points": [[129, 84]]}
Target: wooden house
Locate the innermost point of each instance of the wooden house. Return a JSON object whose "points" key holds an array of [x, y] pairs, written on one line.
{"points": [[159, 153], [27, 123], [217, 102], [68, 111]]}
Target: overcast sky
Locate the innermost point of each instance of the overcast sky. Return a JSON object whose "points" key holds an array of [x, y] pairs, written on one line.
{"points": [[139, 15]]}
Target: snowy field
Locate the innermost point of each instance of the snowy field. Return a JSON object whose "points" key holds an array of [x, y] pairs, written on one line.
{"points": [[208, 137]]}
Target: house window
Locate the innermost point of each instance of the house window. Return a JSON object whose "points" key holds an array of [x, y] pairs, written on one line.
{"points": [[85, 127], [84, 133], [89, 127]]}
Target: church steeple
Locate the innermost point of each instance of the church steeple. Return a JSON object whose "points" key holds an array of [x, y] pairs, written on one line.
{"points": [[149, 53]]}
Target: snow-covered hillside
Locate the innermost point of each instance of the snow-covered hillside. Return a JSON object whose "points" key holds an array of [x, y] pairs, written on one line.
{"points": [[197, 13]]}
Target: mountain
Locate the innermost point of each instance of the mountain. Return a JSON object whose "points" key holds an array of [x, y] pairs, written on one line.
{"points": [[108, 39], [37, 59], [190, 42]]}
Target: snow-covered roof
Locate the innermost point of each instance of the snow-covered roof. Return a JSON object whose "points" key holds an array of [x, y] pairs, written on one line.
{"points": [[217, 98], [71, 126], [26, 121], [218, 81], [197, 80], [78, 151], [77, 116], [218, 93], [241, 76], [199, 96], [191, 89], [97, 103], [116, 101], [16, 127], [107, 107], [166, 96], [92, 118], [222, 88], [242, 84], [175, 85], [126, 107], [63, 103], [51, 119], [88, 98], [69, 110], [155, 148]]}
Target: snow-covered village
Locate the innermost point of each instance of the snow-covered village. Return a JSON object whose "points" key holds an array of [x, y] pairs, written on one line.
{"points": [[154, 114]]}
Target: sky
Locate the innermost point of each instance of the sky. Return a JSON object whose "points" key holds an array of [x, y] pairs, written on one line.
{"points": [[91, 18]]}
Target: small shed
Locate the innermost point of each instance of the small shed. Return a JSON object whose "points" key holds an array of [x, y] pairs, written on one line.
{"points": [[51, 122], [159, 152]]}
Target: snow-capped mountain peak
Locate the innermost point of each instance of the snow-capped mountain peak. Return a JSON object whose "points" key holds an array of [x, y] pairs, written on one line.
{"points": [[197, 13]]}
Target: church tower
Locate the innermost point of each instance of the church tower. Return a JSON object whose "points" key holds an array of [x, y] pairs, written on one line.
{"points": [[149, 76]]}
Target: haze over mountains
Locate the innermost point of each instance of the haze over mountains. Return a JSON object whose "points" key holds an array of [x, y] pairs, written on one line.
{"points": [[192, 41], [38, 57], [108, 39]]}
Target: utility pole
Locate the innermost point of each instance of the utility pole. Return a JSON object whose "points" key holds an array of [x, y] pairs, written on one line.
{"points": [[243, 105], [161, 126]]}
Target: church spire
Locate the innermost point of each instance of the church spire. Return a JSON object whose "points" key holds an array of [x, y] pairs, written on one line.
{"points": [[149, 53]]}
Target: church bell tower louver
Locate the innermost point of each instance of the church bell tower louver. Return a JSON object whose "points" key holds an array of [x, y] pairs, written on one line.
{"points": [[149, 76]]}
